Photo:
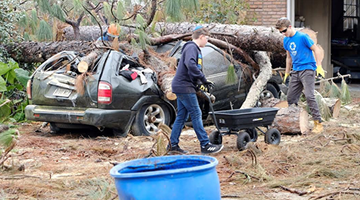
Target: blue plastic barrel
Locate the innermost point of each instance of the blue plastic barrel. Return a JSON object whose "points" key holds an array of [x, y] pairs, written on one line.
{"points": [[177, 177]]}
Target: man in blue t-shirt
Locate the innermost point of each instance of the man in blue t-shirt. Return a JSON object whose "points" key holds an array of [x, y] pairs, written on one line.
{"points": [[304, 57]]}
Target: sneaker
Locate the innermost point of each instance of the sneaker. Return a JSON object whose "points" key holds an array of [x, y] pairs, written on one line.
{"points": [[176, 149], [211, 148]]}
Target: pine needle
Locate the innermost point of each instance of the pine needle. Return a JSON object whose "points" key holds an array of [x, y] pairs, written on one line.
{"points": [[335, 91], [323, 108], [327, 88], [231, 75], [44, 33], [345, 94], [324, 88]]}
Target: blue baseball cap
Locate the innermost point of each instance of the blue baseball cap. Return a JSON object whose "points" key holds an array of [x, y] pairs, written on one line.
{"points": [[198, 27]]}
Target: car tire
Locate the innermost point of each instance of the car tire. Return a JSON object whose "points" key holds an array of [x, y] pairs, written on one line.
{"points": [[54, 128], [148, 118], [269, 92]]}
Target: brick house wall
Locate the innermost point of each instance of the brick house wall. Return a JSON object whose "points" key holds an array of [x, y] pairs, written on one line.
{"points": [[266, 12]]}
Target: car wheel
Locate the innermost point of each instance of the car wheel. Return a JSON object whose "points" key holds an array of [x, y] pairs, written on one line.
{"points": [[269, 92], [54, 128], [272, 136], [242, 139], [148, 119]]}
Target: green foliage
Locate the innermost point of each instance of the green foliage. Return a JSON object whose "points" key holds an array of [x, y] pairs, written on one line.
{"points": [[58, 12], [44, 6], [10, 15], [231, 75], [143, 38], [107, 11], [7, 137], [34, 21], [325, 87], [44, 32], [173, 9], [13, 81], [345, 94], [140, 21], [220, 11], [24, 20], [120, 10], [323, 108], [78, 6], [191, 5], [335, 91]]}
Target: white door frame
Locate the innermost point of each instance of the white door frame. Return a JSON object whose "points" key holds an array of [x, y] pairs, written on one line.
{"points": [[290, 11]]}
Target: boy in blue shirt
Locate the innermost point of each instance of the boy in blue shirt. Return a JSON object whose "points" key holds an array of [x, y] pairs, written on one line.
{"points": [[184, 85], [303, 55]]}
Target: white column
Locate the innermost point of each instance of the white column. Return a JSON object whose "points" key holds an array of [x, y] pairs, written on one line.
{"points": [[290, 11]]}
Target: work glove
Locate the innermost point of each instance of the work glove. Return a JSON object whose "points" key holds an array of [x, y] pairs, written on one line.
{"points": [[285, 77], [320, 70], [203, 88], [209, 85]]}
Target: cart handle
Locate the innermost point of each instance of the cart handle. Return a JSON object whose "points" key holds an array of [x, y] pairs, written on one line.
{"points": [[212, 109]]}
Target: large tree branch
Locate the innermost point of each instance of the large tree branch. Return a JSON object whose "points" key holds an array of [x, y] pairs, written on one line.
{"points": [[224, 45], [153, 11]]}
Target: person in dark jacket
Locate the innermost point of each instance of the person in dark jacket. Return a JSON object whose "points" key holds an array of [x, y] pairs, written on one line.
{"points": [[184, 85]]}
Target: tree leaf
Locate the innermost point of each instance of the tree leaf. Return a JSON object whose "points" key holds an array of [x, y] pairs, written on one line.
{"points": [[11, 75], [4, 68], [7, 137], [22, 76], [5, 110], [2, 85]]}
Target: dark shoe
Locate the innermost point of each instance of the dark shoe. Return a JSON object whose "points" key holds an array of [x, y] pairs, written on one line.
{"points": [[176, 150], [211, 148]]}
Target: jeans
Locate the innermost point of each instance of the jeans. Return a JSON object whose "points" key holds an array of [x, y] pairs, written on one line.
{"points": [[187, 104]]}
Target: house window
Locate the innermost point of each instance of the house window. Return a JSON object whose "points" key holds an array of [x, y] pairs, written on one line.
{"points": [[351, 14]]}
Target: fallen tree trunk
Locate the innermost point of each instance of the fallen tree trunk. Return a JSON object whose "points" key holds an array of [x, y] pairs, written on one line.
{"points": [[38, 52], [334, 106], [259, 84], [289, 119], [246, 37]]}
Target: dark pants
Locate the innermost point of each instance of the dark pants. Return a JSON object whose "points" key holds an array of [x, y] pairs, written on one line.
{"points": [[300, 80]]}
